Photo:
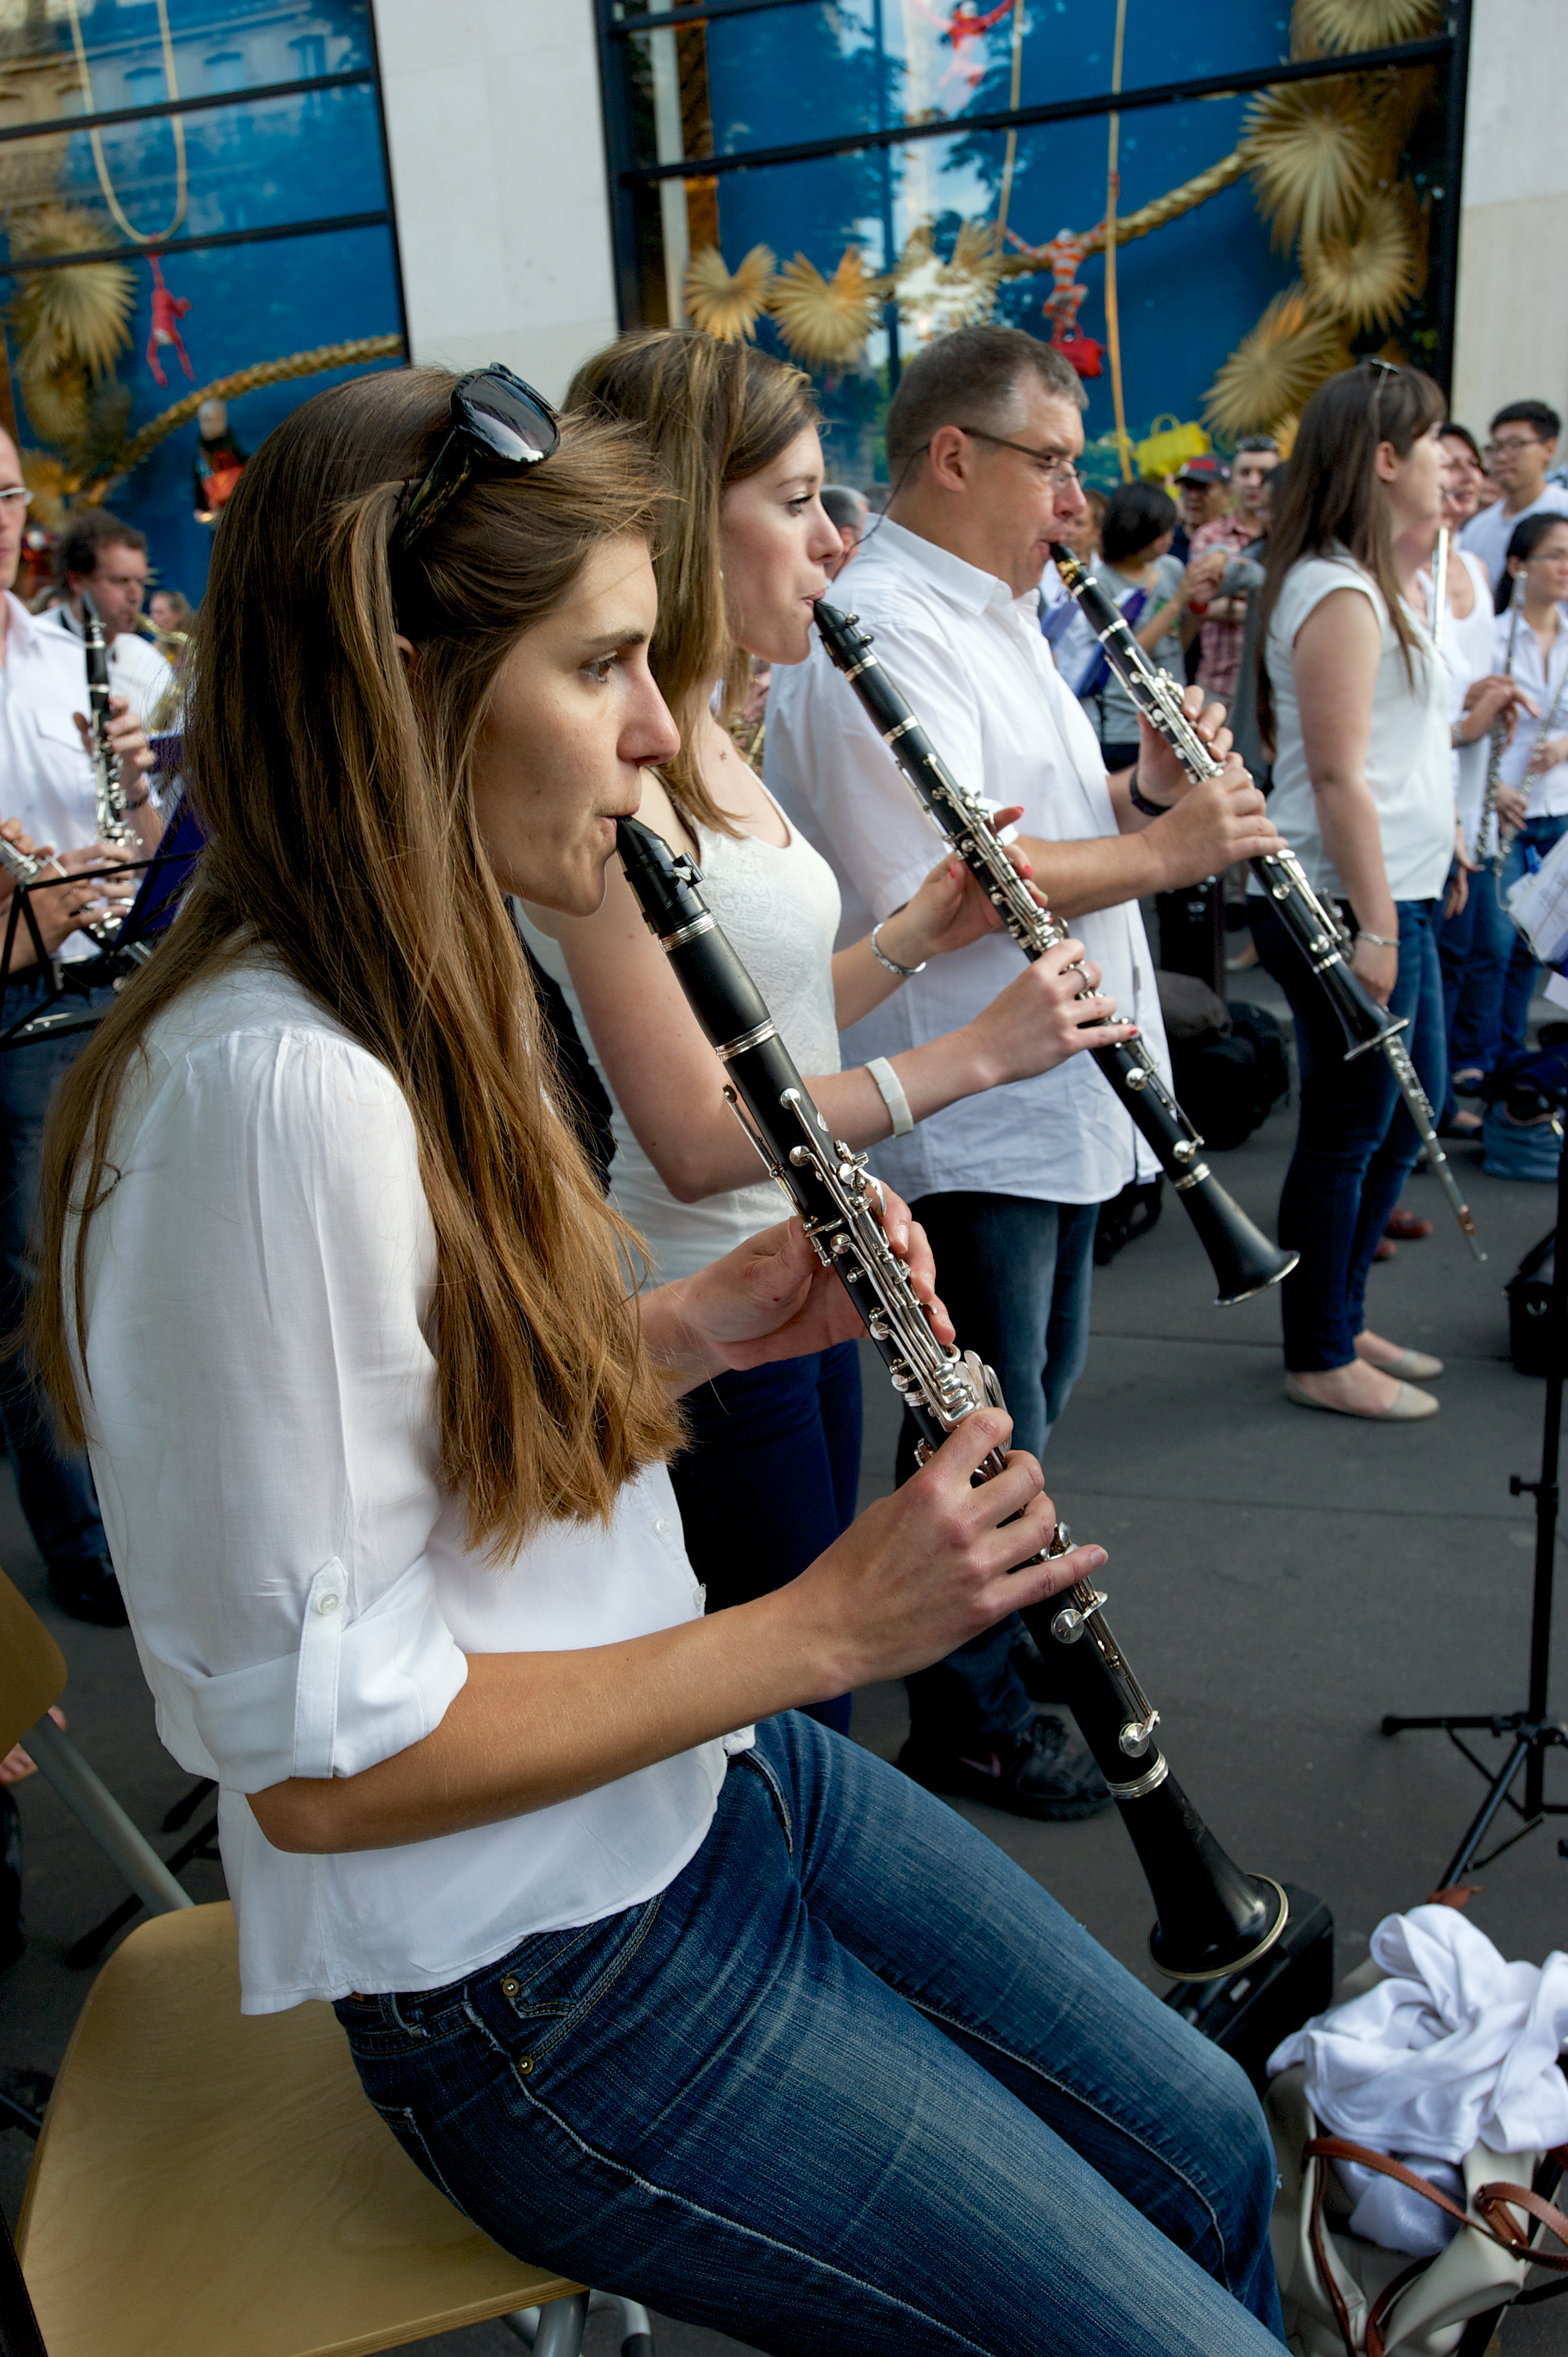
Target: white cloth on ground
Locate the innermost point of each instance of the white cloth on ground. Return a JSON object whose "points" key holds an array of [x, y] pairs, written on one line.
{"points": [[1455, 2048]]}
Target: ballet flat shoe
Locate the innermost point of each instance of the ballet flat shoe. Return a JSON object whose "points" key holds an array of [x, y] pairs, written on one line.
{"points": [[1408, 1366], [1408, 1405]]}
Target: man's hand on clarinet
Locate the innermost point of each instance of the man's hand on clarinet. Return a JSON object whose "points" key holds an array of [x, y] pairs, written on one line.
{"points": [[1208, 824], [128, 744]]}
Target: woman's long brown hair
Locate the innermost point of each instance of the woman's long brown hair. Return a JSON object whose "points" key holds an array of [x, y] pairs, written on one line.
{"points": [[712, 413], [336, 788], [1334, 498]]}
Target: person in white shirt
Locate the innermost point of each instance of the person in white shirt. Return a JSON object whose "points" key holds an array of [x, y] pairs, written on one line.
{"points": [[1356, 700], [46, 791], [658, 1980], [1522, 446], [1532, 646], [982, 436], [106, 560]]}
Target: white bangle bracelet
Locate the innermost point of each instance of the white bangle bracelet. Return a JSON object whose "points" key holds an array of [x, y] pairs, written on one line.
{"points": [[891, 1090]]}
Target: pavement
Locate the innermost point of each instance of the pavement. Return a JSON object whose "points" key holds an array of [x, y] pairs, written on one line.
{"points": [[1279, 1579]]}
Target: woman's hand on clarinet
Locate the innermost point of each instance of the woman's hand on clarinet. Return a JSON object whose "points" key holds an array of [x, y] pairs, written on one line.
{"points": [[1039, 1020], [950, 910], [1374, 964], [1511, 806], [1488, 701], [921, 1573], [771, 1298]]}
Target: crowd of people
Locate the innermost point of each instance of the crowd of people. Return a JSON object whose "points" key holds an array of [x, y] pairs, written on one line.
{"points": [[481, 1486]]}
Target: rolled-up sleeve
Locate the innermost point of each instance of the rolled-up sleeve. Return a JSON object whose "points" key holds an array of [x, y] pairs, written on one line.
{"points": [[263, 1425]]}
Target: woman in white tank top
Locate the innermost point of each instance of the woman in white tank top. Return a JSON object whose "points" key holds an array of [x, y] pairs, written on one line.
{"points": [[772, 1474], [1357, 699]]}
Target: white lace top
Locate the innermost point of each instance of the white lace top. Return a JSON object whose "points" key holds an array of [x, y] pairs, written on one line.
{"points": [[780, 908]]}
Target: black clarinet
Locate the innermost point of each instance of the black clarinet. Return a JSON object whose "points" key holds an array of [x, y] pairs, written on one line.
{"points": [[1212, 1917], [114, 827], [1312, 925], [1243, 1260]]}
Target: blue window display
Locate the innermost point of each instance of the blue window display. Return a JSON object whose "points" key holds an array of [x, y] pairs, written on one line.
{"points": [[221, 224]]}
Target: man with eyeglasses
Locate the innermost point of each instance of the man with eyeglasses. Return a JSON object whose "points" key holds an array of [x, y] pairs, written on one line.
{"points": [[1522, 446], [981, 438], [46, 786]]}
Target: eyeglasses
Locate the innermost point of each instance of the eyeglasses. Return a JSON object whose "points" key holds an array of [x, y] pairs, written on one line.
{"points": [[16, 498], [1514, 442], [1056, 469], [497, 420]]}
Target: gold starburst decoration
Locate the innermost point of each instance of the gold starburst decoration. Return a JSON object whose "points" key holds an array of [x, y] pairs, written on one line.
{"points": [[824, 321], [1275, 366], [934, 297], [1311, 151], [727, 304], [1368, 275], [68, 324], [1331, 28]]}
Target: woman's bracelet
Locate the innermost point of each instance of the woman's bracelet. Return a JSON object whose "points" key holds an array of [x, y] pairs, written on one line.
{"points": [[1149, 809], [891, 1090], [904, 972], [140, 801], [1381, 940]]}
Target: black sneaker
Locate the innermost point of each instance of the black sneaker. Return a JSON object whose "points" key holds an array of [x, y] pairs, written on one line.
{"points": [[89, 1590], [1046, 1771]]}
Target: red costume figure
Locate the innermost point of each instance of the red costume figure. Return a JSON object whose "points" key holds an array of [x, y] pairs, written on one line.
{"points": [[167, 311], [1063, 252]]}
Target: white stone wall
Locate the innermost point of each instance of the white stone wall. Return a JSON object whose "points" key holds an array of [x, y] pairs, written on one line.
{"points": [[493, 122], [1513, 339]]}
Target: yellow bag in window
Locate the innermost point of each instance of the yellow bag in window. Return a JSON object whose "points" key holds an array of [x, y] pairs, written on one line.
{"points": [[1170, 445]]}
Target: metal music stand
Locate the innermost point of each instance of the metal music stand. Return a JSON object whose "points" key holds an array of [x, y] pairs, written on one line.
{"points": [[1532, 1734]]}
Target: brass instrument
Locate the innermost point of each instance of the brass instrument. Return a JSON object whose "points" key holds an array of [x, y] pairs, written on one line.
{"points": [[1243, 1260], [1312, 925], [1212, 1917]]}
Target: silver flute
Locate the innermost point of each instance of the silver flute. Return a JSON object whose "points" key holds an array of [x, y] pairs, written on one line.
{"points": [[1314, 925]]}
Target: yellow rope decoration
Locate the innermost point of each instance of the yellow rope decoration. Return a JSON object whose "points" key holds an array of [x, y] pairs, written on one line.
{"points": [[247, 380], [177, 126], [1168, 207]]}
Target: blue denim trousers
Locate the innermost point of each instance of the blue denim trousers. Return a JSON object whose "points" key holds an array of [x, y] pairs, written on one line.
{"points": [[1472, 949], [853, 2083], [770, 1478], [53, 1483], [1356, 1145], [1539, 836], [1015, 1275]]}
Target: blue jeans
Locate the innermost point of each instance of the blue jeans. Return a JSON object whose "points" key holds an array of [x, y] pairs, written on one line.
{"points": [[1356, 1145], [771, 1478], [1015, 1277], [1472, 949], [1539, 836], [54, 1484], [852, 2083]]}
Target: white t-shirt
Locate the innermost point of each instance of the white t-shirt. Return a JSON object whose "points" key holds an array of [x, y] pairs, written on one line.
{"points": [[780, 907], [1408, 764], [263, 1432], [1489, 533], [970, 659], [1516, 650]]}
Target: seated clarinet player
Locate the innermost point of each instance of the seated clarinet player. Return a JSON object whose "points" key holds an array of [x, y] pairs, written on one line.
{"points": [[660, 1982], [981, 438]]}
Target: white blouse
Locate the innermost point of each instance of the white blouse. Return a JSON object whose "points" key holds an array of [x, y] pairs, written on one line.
{"points": [[1408, 765], [1516, 650], [262, 1427], [780, 906]]}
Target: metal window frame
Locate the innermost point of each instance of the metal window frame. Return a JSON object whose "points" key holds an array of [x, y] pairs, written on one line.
{"points": [[1451, 48]]}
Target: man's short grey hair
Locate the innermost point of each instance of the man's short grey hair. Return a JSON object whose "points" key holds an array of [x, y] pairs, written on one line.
{"points": [[846, 507], [972, 377]]}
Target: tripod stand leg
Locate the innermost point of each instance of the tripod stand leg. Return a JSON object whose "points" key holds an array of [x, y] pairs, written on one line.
{"points": [[1475, 1832]]}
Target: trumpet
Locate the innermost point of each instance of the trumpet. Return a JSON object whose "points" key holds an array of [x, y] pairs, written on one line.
{"points": [[1212, 1919], [1243, 1260], [1312, 925]]}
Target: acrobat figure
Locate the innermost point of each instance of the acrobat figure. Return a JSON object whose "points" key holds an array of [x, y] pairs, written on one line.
{"points": [[1065, 252], [963, 25], [167, 311]]}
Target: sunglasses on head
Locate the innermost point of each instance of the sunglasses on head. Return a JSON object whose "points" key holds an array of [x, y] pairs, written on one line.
{"points": [[499, 424]]}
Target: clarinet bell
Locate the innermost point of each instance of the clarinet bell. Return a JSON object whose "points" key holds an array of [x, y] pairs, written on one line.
{"points": [[1243, 1260]]}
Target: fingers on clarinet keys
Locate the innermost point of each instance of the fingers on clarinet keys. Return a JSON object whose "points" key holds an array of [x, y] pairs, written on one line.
{"points": [[1045, 1771]]}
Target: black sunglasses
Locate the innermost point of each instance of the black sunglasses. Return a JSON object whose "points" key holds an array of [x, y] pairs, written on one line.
{"points": [[497, 421]]}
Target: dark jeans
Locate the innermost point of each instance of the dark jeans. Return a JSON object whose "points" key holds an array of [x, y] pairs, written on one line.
{"points": [[53, 1483], [1356, 1145], [1473, 949], [771, 1478], [1015, 1277], [1539, 836], [853, 2082]]}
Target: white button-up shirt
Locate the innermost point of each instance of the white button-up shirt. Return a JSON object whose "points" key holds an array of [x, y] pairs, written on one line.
{"points": [[46, 776], [264, 1436], [1516, 650], [136, 670], [970, 659]]}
